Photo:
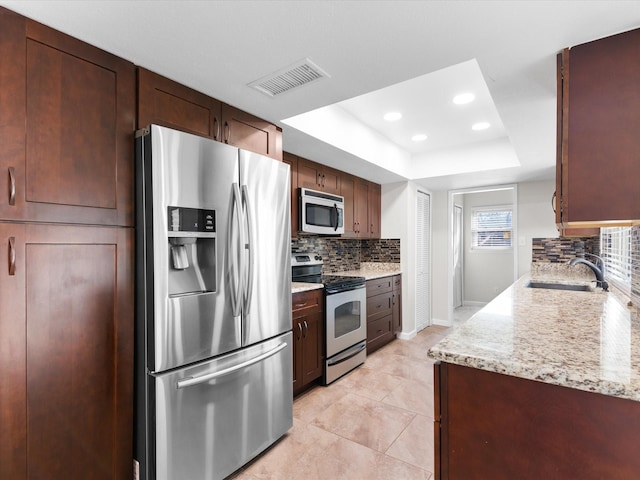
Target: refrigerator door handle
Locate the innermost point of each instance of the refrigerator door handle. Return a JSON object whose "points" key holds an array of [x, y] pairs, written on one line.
{"points": [[189, 381], [248, 291], [234, 262]]}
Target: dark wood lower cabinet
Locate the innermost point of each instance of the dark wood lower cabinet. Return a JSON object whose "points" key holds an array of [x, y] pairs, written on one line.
{"points": [[308, 338], [379, 313], [66, 356], [494, 426]]}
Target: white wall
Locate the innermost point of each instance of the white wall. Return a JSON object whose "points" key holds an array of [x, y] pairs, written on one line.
{"points": [[535, 219], [398, 221], [486, 272]]}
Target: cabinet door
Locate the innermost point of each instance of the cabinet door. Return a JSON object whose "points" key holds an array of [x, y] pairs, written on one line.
{"points": [[167, 103], [248, 132], [348, 190], [309, 174], [374, 210], [68, 119], [66, 352], [313, 346], [362, 208], [292, 161], [602, 119], [330, 180], [297, 355], [396, 304]]}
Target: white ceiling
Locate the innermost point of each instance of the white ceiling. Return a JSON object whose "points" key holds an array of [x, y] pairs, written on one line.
{"points": [[380, 55]]}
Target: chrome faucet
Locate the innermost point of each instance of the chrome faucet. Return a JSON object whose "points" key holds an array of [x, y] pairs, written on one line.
{"points": [[597, 270]]}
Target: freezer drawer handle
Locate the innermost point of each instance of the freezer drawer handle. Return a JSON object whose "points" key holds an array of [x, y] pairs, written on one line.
{"points": [[189, 381]]}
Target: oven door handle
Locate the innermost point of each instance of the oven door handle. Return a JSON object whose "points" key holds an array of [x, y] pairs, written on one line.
{"points": [[348, 355], [189, 381]]}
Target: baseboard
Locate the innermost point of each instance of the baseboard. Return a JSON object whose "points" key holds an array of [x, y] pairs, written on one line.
{"points": [[473, 304], [443, 323], [407, 335]]}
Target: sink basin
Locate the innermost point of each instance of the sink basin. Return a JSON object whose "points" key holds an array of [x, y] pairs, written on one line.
{"points": [[559, 286]]}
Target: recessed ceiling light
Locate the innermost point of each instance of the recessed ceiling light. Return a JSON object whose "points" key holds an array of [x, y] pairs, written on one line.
{"points": [[480, 126], [392, 116], [464, 98], [421, 137]]}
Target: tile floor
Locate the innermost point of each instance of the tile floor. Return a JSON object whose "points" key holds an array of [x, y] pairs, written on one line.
{"points": [[374, 423]]}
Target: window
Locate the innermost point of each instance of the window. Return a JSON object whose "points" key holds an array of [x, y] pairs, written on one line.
{"points": [[615, 250], [491, 228]]}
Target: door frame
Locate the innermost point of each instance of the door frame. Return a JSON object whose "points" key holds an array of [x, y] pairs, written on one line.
{"points": [[451, 194]]}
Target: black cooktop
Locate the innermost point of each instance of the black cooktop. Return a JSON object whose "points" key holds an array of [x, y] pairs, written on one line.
{"points": [[338, 283]]}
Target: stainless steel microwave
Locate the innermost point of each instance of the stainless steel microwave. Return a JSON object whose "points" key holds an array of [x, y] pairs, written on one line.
{"points": [[321, 213]]}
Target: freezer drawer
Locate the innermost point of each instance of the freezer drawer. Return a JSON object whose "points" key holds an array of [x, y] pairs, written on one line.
{"points": [[212, 418]]}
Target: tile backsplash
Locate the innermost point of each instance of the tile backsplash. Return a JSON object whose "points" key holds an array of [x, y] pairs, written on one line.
{"points": [[562, 249], [340, 254], [635, 265]]}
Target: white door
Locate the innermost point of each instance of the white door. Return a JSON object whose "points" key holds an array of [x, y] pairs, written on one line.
{"points": [[458, 249], [423, 261]]}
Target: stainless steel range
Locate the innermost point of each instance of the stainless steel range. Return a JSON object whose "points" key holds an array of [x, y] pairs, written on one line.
{"points": [[345, 312]]}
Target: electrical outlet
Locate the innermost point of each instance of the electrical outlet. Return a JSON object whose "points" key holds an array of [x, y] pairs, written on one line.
{"points": [[522, 241]]}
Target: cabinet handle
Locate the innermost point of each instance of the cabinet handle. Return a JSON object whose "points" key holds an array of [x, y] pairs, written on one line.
{"points": [[227, 132], [216, 128], [12, 256], [299, 336], [323, 180], [300, 305], [306, 327], [12, 186], [393, 299]]}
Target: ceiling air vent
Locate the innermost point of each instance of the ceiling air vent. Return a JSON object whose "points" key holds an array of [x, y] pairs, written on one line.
{"points": [[296, 75]]}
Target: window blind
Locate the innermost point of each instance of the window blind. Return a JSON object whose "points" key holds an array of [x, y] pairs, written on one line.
{"points": [[615, 250], [491, 228]]}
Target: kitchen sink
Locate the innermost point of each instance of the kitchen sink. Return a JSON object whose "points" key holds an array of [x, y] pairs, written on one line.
{"points": [[559, 286]]}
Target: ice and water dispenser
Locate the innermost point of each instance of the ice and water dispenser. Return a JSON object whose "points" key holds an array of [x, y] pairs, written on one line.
{"points": [[192, 250]]}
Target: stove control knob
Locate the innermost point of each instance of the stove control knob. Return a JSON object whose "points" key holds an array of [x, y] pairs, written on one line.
{"points": [[318, 257]]}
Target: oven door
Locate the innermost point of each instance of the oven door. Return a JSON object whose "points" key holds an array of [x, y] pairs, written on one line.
{"points": [[346, 314]]}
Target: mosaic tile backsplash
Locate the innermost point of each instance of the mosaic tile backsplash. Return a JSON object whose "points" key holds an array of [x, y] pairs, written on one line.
{"points": [[635, 265], [341, 254], [562, 249]]}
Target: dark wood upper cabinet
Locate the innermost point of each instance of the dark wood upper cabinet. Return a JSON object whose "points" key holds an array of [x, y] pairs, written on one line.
{"points": [[162, 101], [168, 103], [318, 177], [68, 119], [66, 325], [598, 158], [248, 132]]}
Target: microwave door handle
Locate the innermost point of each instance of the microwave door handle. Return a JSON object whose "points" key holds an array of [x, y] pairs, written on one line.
{"points": [[335, 209]]}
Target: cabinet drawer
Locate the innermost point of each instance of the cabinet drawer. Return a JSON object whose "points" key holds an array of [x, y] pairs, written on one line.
{"points": [[305, 303], [397, 282], [379, 306], [379, 328], [379, 285]]}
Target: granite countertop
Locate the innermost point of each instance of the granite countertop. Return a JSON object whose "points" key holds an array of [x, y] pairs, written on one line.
{"points": [[584, 340], [297, 287], [373, 270]]}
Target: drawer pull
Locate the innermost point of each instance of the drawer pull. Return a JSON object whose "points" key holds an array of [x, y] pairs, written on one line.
{"points": [[12, 256], [300, 305], [12, 186]]}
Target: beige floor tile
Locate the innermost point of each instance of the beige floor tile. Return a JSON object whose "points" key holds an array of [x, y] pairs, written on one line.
{"points": [[407, 367], [414, 396], [364, 421], [415, 444], [370, 384], [311, 404]]}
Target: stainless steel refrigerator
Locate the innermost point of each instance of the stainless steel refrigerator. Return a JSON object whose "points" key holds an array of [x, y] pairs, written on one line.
{"points": [[213, 313]]}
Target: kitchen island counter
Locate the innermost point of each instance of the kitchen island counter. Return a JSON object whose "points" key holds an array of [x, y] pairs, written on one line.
{"points": [[584, 340]]}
